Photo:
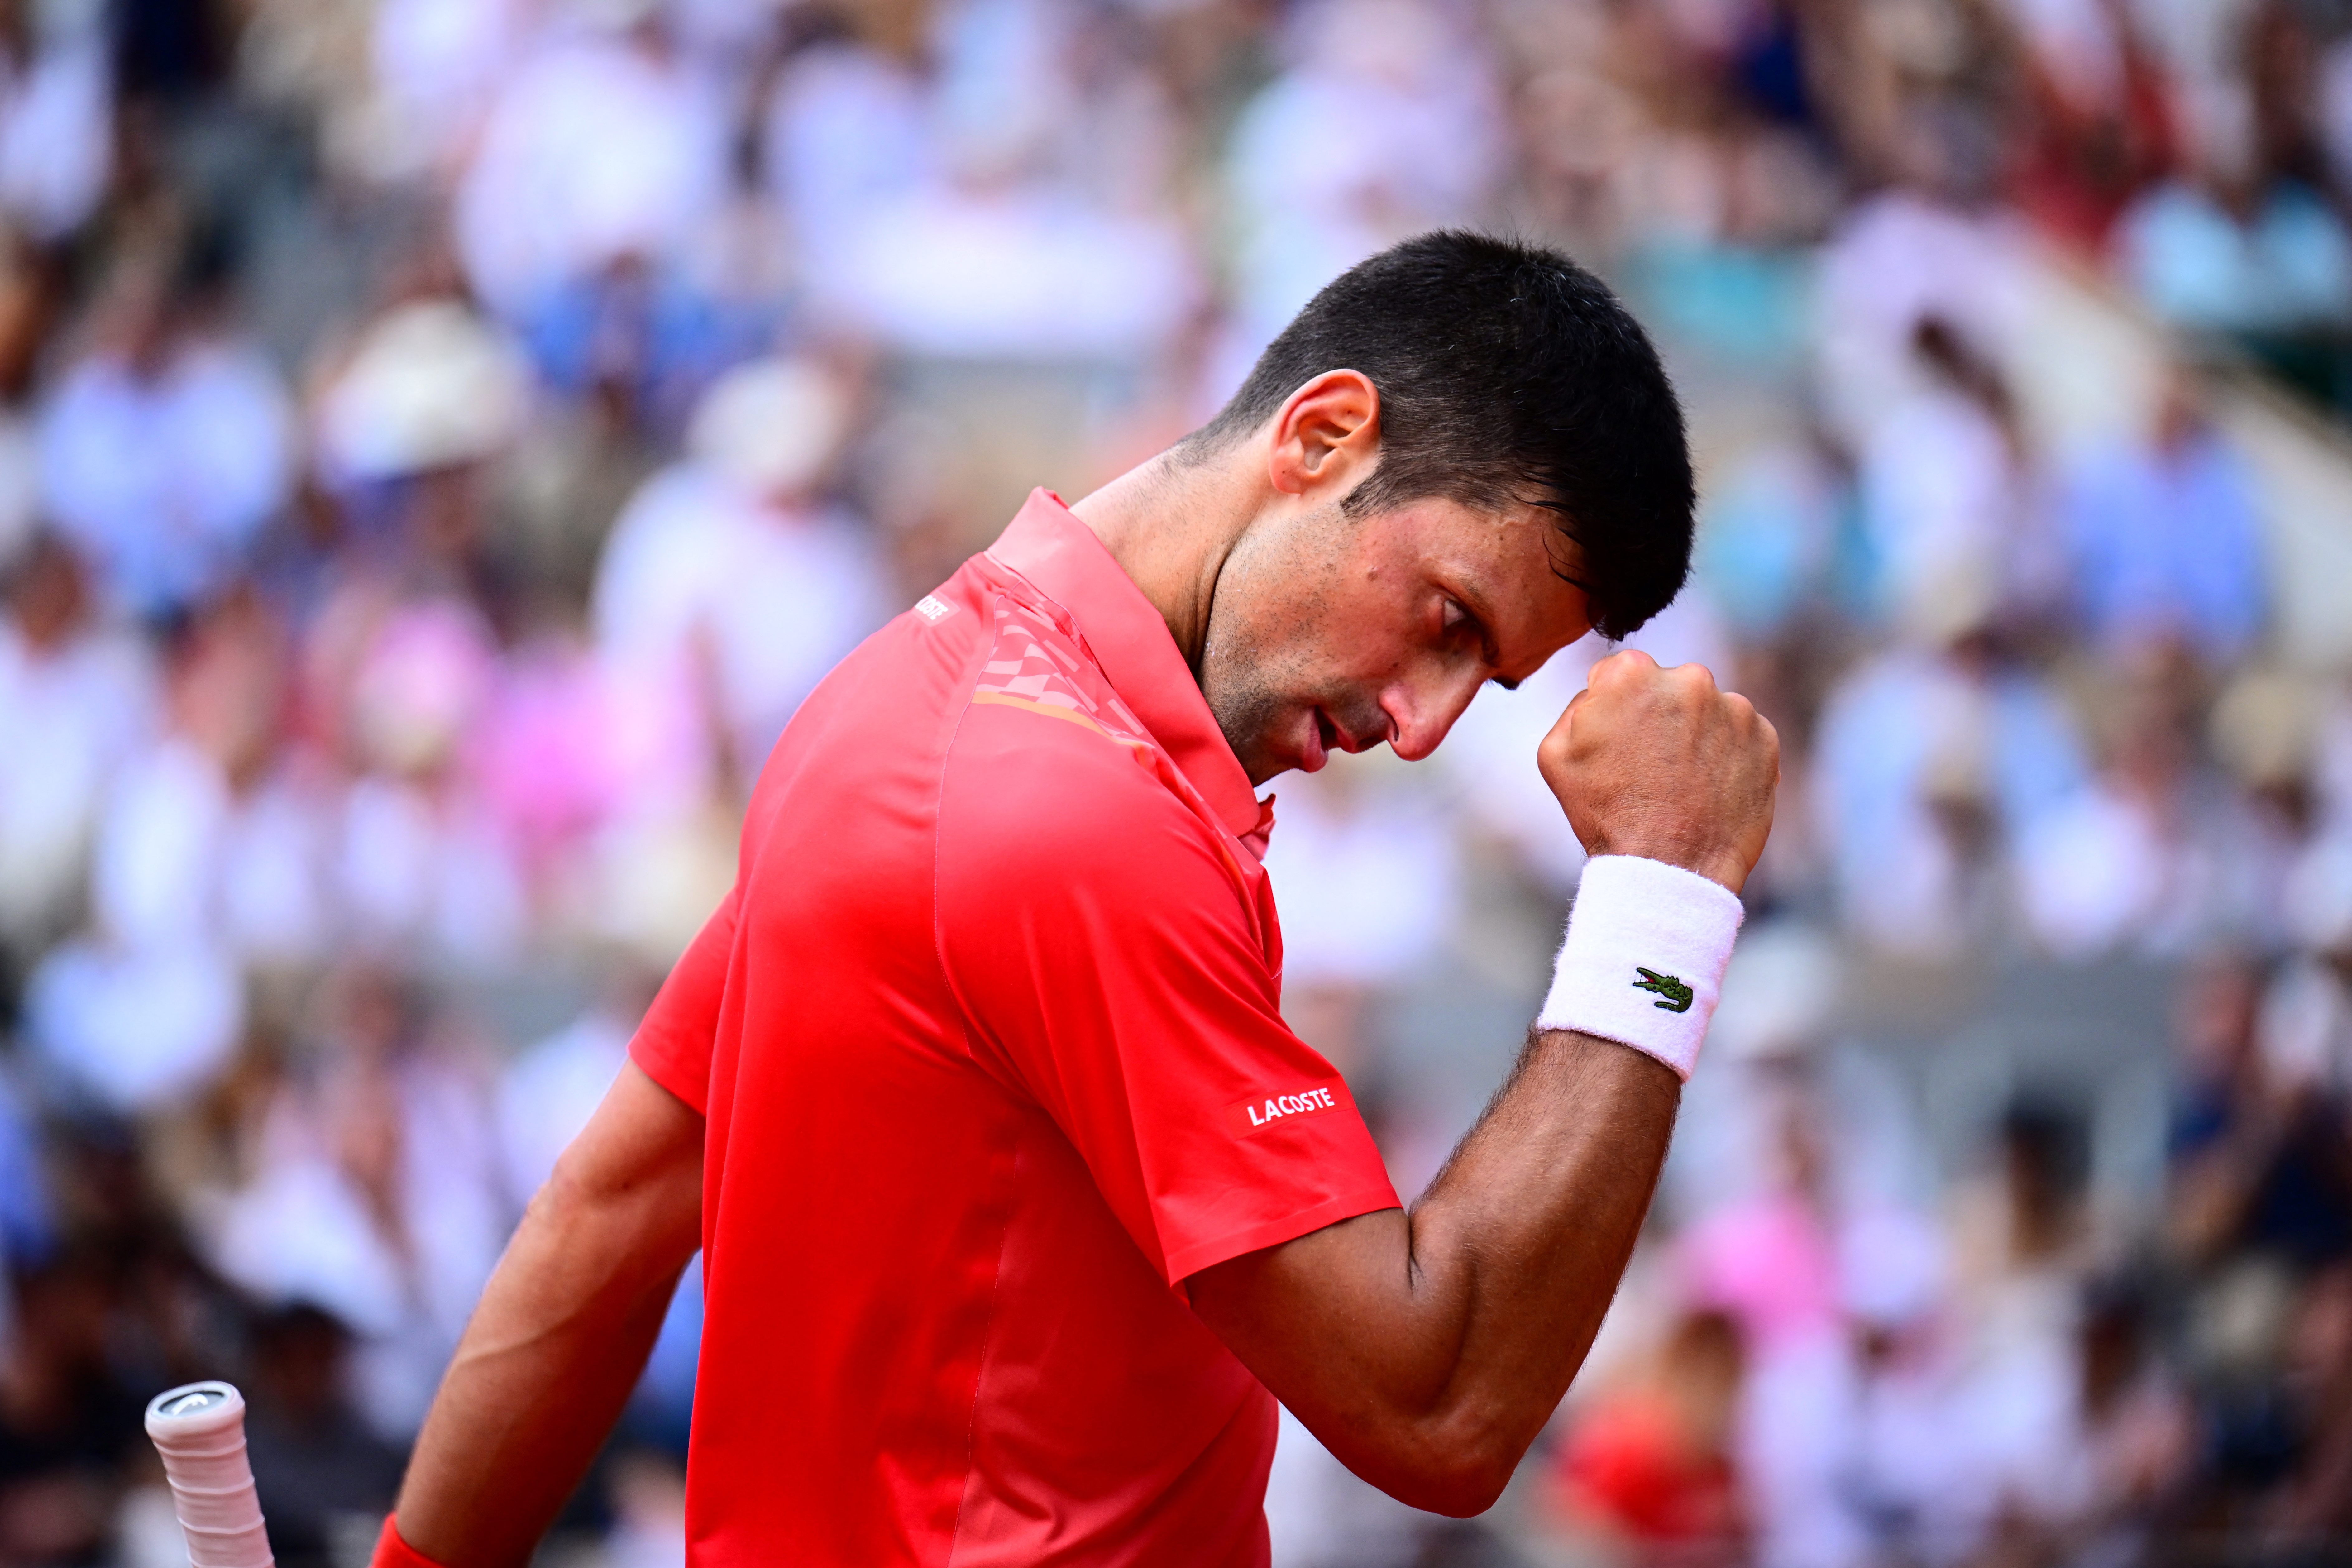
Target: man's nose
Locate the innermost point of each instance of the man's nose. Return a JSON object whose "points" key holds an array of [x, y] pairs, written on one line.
{"points": [[1420, 714]]}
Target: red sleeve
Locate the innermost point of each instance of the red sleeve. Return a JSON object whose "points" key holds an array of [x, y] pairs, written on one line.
{"points": [[392, 1552], [673, 1044], [1109, 955]]}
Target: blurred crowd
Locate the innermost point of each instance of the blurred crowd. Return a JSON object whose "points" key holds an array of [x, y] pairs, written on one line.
{"points": [[441, 441]]}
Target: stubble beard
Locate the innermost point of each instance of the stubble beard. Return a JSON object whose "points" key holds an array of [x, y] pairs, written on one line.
{"points": [[1242, 666], [1258, 652], [1245, 705]]}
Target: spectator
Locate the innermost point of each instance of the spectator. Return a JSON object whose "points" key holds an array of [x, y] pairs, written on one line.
{"points": [[2164, 538], [205, 857], [2227, 258], [1368, 881], [598, 151], [2022, 1257], [376, 1194], [435, 67], [166, 448], [846, 133], [2257, 1146], [56, 146], [1003, 230], [1947, 492], [418, 865], [324, 1478], [1927, 766], [1421, 149], [66, 1423], [1648, 1464], [730, 579], [87, 691]]}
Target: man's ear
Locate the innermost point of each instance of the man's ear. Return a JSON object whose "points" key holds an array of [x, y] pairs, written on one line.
{"points": [[1327, 437]]}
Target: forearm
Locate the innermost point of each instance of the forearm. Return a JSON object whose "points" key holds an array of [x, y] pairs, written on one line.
{"points": [[557, 1343], [1517, 1249], [562, 1333], [1462, 1323]]}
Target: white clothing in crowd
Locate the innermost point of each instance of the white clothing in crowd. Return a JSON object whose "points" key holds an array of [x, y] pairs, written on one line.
{"points": [[598, 149], [405, 1281], [57, 134], [163, 477], [436, 69], [1942, 501], [426, 874], [1396, 111], [846, 131], [1904, 739], [1896, 259], [92, 704], [1367, 878], [973, 220], [190, 881], [550, 1091], [1030, 272], [718, 594]]}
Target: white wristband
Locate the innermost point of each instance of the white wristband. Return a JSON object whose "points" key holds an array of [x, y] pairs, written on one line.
{"points": [[1644, 961]]}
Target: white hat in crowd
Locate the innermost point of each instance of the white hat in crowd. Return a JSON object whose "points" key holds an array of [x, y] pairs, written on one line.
{"points": [[771, 426], [432, 385]]}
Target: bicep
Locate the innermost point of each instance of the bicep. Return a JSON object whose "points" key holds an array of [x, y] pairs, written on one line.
{"points": [[1343, 1327], [1334, 1322], [636, 1170]]}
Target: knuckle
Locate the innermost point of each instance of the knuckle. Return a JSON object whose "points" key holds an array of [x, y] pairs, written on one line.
{"points": [[1625, 664]]}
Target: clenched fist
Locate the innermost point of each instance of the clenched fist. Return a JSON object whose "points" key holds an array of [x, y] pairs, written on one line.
{"points": [[1657, 763]]}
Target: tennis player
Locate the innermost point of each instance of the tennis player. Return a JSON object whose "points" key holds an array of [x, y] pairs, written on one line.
{"points": [[1019, 1205]]}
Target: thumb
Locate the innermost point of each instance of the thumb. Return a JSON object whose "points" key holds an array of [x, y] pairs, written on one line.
{"points": [[1561, 726]]}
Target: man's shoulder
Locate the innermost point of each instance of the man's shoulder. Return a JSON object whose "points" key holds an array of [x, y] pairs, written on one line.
{"points": [[1024, 762], [1049, 773], [1039, 710], [1040, 789], [1053, 825]]}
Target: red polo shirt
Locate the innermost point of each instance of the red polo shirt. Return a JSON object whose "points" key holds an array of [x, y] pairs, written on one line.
{"points": [[988, 1040]]}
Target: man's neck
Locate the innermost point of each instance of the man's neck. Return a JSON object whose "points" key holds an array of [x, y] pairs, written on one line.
{"points": [[1170, 525]]}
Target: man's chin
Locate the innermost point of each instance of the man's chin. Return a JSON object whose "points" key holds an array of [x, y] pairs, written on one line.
{"points": [[1270, 736], [1264, 770], [1268, 766], [1264, 760]]}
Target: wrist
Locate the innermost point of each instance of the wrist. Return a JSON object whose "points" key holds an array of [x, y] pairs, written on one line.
{"points": [[1723, 867], [1643, 958]]}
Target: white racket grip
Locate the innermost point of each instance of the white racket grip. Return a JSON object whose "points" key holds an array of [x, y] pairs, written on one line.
{"points": [[199, 1429]]}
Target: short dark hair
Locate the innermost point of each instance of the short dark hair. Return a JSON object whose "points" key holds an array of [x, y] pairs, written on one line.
{"points": [[1508, 375]]}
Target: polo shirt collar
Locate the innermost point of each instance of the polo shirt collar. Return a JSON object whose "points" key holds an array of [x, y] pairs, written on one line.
{"points": [[1061, 557]]}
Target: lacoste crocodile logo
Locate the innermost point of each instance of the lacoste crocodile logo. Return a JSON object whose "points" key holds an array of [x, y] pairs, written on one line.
{"points": [[1672, 994]]}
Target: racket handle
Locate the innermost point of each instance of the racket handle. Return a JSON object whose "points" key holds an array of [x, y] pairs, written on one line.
{"points": [[199, 1430]]}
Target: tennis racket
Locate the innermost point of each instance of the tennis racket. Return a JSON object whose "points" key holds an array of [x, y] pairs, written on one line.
{"points": [[199, 1430]]}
